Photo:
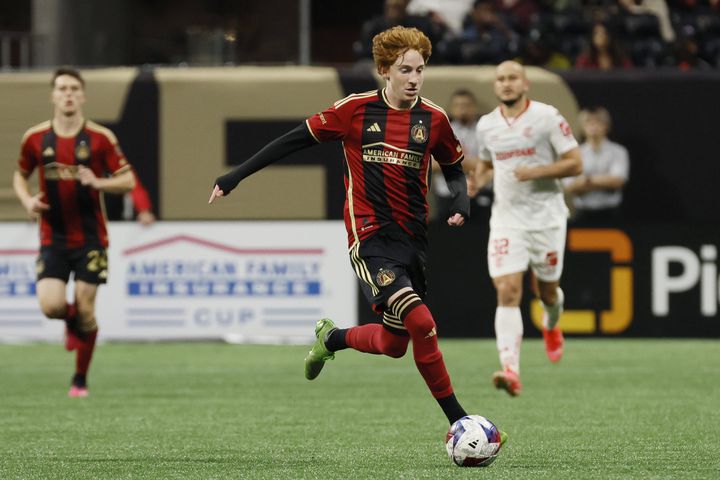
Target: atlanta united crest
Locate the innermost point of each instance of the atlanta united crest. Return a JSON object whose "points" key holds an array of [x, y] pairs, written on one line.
{"points": [[385, 277], [419, 133], [82, 151]]}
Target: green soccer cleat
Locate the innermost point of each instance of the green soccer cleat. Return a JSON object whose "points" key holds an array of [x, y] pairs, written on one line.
{"points": [[503, 438], [318, 354]]}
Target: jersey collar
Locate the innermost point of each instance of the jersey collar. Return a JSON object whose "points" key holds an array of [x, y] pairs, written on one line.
{"points": [[387, 102], [513, 120]]}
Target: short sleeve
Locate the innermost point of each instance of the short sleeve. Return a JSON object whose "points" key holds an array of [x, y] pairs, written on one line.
{"points": [[561, 135], [115, 162], [28, 158], [447, 150], [331, 124]]}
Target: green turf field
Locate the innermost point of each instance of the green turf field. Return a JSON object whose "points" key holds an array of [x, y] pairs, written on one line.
{"points": [[612, 409]]}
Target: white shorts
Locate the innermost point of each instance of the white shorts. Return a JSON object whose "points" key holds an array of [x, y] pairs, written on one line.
{"points": [[512, 250]]}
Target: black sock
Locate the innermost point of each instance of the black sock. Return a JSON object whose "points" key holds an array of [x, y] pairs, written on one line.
{"points": [[79, 380], [451, 407], [335, 339]]}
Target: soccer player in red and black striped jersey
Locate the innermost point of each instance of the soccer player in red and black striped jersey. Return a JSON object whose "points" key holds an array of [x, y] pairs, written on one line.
{"points": [[72, 156], [389, 139]]}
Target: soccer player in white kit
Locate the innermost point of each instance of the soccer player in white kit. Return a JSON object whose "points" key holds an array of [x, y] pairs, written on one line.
{"points": [[525, 147]]}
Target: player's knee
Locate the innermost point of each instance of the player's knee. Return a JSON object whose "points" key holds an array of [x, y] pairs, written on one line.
{"points": [[53, 310], [508, 293], [422, 324]]}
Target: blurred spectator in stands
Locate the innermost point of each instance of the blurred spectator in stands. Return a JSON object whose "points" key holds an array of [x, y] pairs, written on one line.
{"points": [[604, 51], [518, 13], [596, 195], [687, 51], [539, 50], [395, 13], [561, 5], [486, 39], [464, 115], [448, 13], [657, 8]]}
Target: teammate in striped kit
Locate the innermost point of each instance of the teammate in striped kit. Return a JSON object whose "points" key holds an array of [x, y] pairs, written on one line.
{"points": [[388, 139], [525, 147], [72, 156]]}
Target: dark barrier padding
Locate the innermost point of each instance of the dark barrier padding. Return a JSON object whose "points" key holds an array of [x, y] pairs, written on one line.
{"points": [[668, 122], [138, 132], [670, 287]]}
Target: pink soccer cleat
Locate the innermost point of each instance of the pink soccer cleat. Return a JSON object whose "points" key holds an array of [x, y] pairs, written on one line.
{"points": [[554, 343], [78, 392], [507, 380]]}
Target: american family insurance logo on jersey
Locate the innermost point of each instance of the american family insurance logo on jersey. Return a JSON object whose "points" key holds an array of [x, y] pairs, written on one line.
{"points": [[382, 152], [187, 266], [17, 272]]}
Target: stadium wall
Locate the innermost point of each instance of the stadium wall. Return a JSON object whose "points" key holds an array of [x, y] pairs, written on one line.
{"points": [[180, 127]]}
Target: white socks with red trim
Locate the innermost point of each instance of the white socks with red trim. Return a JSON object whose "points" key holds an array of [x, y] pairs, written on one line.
{"points": [[509, 333], [553, 312]]}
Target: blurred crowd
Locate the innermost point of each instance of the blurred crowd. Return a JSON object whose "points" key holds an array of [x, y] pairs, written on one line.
{"points": [[560, 34]]}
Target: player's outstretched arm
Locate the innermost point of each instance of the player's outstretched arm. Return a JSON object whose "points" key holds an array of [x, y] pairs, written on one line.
{"points": [[457, 184], [296, 139]]}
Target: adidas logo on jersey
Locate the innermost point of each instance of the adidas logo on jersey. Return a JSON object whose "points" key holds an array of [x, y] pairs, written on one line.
{"points": [[48, 152], [374, 128]]}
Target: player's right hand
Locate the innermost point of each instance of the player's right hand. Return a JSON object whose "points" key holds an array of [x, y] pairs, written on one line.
{"points": [[457, 220], [36, 206], [216, 193]]}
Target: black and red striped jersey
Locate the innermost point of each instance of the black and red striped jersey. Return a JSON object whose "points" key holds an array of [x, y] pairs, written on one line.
{"points": [[387, 159], [76, 217]]}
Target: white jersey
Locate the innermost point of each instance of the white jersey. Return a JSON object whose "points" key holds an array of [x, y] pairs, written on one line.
{"points": [[535, 137]]}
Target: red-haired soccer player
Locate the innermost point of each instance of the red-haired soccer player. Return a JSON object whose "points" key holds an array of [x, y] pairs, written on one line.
{"points": [[388, 136]]}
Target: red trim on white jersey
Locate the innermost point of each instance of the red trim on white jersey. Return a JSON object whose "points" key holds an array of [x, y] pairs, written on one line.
{"points": [[509, 123]]}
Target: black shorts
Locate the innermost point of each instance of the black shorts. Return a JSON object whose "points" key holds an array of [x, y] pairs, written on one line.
{"points": [[89, 264], [384, 265]]}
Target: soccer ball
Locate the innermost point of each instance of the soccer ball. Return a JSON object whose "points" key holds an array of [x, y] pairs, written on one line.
{"points": [[473, 441]]}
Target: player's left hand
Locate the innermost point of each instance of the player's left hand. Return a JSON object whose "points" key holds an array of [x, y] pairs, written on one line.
{"points": [[146, 218], [216, 193], [524, 174], [87, 177], [456, 220]]}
